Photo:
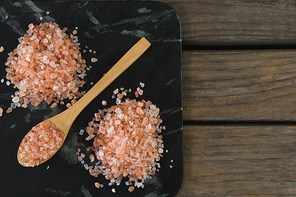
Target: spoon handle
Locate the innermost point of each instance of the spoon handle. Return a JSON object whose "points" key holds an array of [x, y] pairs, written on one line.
{"points": [[128, 59]]}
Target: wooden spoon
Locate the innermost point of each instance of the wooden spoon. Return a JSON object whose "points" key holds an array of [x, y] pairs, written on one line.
{"points": [[64, 120]]}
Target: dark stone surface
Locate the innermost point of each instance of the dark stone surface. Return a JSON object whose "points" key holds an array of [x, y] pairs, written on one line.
{"points": [[109, 28]]}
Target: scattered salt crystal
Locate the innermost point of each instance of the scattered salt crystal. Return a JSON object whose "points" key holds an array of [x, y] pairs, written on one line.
{"points": [[113, 190], [90, 50], [142, 85], [74, 32], [82, 162], [41, 18], [140, 91], [115, 91], [16, 99], [171, 166], [86, 166], [7, 83], [104, 102], [47, 168], [76, 27], [172, 161], [113, 96], [2, 80], [1, 111], [47, 12], [6, 16], [118, 101], [91, 83], [13, 105], [1, 49], [9, 110], [81, 132], [122, 88], [166, 151]]}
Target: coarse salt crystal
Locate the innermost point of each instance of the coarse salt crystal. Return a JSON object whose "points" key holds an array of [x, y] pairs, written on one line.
{"points": [[104, 102], [2, 80], [115, 91], [16, 99], [81, 131], [1, 49], [1, 111], [142, 85], [113, 190], [7, 83]]}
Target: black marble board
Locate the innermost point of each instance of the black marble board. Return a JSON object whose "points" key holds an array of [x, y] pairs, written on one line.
{"points": [[109, 28]]}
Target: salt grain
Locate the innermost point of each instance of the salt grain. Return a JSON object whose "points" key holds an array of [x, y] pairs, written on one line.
{"points": [[2, 80], [81, 131], [1, 49], [9, 110], [142, 85], [1, 111], [104, 102], [113, 190], [115, 91], [16, 99], [7, 83]]}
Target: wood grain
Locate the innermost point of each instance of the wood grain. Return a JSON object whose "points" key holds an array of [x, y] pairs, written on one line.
{"points": [[236, 22], [239, 160], [239, 85]]}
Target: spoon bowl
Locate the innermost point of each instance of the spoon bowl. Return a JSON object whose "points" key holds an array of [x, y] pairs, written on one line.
{"points": [[65, 119]]}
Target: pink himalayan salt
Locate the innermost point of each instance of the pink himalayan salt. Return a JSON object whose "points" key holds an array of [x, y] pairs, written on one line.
{"points": [[126, 139], [40, 144], [1, 111], [46, 66]]}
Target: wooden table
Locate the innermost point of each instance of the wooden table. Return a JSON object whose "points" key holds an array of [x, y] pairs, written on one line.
{"points": [[239, 97]]}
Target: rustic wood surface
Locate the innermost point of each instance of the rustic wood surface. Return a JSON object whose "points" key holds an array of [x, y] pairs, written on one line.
{"points": [[239, 72], [237, 22], [239, 85], [239, 160]]}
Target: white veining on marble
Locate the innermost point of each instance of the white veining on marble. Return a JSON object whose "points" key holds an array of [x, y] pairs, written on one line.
{"points": [[92, 18], [12, 126], [17, 4], [144, 10], [58, 192], [15, 26], [173, 131], [33, 7], [85, 191], [69, 149], [38, 11], [138, 33], [136, 21], [158, 186], [171, 81], [171, 111]]}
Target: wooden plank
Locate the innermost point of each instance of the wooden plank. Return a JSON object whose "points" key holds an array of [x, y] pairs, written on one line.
{"points": [[236, 22], [239, 160], [239, 85]]}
